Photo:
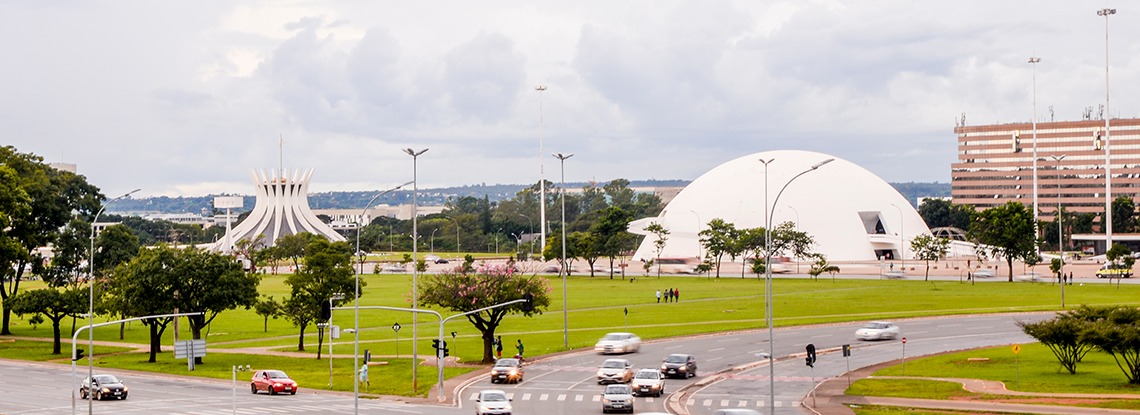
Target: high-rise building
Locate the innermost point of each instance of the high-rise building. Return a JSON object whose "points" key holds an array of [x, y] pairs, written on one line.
{"points": [[995, 164]]}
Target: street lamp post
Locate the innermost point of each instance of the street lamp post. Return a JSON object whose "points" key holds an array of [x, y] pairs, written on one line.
{"points": [[564, 269], [433, 231], [902, 237], [1060, 228], [529, 228], [768, 274], [91, 292], [1107, 139], [356, 298], [1036, 232], [415, 268]]}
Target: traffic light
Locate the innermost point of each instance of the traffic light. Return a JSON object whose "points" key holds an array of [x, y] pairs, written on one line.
{"points": [[435, 344], [847, 350], [445, 351], [78, 355], [810, 355], [528, 304], [326, 310]]}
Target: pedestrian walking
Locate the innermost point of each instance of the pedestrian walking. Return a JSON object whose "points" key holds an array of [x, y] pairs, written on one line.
{"points": [[519, 346], [658, 296], [499, 346], [668, 294], [676, 294]]}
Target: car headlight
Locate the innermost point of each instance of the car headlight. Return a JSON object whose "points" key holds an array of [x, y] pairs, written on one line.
{"points": [[664, 367], [276, 385], [514, 372], [601, 373], [106, 390], [605, 400], [682, 368], [494, 372]]}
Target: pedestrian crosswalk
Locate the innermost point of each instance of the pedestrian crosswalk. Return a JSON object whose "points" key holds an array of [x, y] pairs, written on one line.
{"points": [[704, 402], [287, 409]]}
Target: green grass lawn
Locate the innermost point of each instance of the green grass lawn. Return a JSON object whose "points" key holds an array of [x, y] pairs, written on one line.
{"points": [[598, 305], [40, 351], [1034, 369]]}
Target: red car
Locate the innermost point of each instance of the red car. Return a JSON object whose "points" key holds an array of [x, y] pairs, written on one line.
{"points": [[272, 381]]}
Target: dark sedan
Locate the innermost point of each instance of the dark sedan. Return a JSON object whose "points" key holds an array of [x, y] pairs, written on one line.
{"points": [[104, 386], [507, 371], [679, 365]]}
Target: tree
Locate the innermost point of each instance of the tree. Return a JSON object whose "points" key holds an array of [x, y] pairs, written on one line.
{"points": [[327, 271], [54, 304], [1118, 334], [253, 250], [661, 236], [929, 248], [145, 286], [938, 213], [719, 238], [1123, 214], [1063, 336], [267, 307], [1120, 257], [468, 291], [36, 202], [292, 247], [1007, 232], [115, 245], [69, 262], [751, 244], [610, 236], [209, 283], [820, 265]]}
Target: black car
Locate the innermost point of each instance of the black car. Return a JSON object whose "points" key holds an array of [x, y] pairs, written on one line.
{"points": [[104, 386], [679, 365], [507, 371]]}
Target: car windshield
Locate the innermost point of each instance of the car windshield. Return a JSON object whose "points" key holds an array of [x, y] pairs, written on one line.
{"points": [[613, 337], [611, 364], [647, 374], [875, 326], [277, 374], [617, 390], [494, 397], [106, 379], [675, 359], [506, 363]]}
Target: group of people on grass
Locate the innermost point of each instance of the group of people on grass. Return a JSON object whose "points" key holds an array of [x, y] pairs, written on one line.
{"points": [[671, 294], [498, 343]]}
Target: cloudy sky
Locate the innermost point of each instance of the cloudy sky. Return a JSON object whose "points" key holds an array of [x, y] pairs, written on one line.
{"points": [[184, 98]]}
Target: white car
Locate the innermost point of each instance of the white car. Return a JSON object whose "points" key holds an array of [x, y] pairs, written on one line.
{"points": [[615, 371], [492, 401], [618, 343], [648, 382], [877, 330]]}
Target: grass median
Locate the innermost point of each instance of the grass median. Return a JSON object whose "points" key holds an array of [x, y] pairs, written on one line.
{"points": [[1034, 371], [598, 305]]}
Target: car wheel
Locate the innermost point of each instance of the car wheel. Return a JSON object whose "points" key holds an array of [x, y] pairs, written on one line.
{"points": [[271, 390], [293, 392], [253, 389], [98, 395], [82, 394]]}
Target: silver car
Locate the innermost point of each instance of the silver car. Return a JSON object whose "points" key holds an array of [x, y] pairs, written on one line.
{"points": [[615, 371], [492, 402], [648, 382], [618, 343], [617, 398], [877, 330]]}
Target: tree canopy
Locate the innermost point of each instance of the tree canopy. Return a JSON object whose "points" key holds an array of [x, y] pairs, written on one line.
{"points": [[1006, 231], [468, 291]]}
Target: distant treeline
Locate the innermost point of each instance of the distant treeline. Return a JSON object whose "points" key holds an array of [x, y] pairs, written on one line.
{"points": [[495, 193]]}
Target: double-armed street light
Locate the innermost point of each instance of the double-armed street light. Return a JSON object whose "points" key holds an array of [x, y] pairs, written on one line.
{"points": [[415, 269], [768, 273], [356, 298], [564, 269]]}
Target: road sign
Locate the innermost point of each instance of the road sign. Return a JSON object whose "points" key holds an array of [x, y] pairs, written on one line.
{"points": [[189, 348], [396, 327], [904, 340], [1016, 348]]}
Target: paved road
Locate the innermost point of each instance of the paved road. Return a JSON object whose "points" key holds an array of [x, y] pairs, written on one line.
{"points": [[730, 375]]}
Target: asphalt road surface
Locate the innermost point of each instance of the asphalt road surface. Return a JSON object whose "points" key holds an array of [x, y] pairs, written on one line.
{"points": [[730, 374]]}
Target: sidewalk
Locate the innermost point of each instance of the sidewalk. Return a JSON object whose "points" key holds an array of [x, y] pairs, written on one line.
{"points": [[831, 399]]}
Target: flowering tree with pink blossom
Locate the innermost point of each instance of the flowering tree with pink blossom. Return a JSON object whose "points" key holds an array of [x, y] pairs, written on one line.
{"points": [[486, 286]]}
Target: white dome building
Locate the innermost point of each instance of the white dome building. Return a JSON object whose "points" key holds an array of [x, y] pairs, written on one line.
{"points": [[852, 213]]}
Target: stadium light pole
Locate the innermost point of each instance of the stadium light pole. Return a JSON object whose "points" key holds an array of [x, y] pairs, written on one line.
{"points": [[91, 293], [415, 267], [1107, 139], [1036, 232], [564, 269], [541, 174], [768, 273], [356, 301]]}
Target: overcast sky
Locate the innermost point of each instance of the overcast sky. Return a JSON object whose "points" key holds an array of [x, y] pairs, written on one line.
{"points": [[184, 98]]}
